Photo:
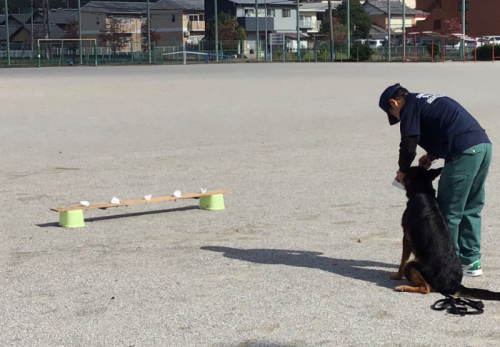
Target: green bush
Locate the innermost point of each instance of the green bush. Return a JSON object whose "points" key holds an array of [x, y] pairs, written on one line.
{"points": [[484, 52], [363, 52], [437, 49]]}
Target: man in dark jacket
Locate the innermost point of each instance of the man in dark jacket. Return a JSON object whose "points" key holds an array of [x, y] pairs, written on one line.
{"points": [[445, 130]]}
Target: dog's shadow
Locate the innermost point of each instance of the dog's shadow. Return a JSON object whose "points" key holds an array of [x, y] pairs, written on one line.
{"points": [[364, 270]]}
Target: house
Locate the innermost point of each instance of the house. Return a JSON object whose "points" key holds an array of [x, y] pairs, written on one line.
{"points": [[379, 10], [22, 30], [280, 15], [312, 13], [481, 17], [179, 22], [99, 15]]}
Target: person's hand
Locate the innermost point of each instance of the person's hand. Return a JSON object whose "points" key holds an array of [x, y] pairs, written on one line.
{"points": [[425, 162], [400, 177]]}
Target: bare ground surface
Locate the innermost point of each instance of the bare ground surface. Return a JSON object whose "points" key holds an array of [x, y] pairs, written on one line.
{"points": [[300, 257]]}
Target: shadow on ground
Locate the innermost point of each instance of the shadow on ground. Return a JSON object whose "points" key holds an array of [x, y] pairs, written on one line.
{"points": [[357, 269], [125, 215]]}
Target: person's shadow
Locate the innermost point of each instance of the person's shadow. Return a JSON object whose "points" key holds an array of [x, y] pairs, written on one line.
{"points": [[357, 269]]}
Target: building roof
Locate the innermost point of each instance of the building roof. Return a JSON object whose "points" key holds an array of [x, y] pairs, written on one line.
{"points": [[396, 7], [2, 18], [262, 2], [189, 4], [117, 7], [55, 31], [21, 18], [60, 16], [12, 30], [377, 32]]}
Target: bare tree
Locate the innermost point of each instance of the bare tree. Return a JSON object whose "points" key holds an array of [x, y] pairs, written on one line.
{"points": [[113, 35], [71, 32]]}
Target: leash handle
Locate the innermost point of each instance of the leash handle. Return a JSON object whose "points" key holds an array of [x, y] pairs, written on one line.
{"points": [[458, 306]]}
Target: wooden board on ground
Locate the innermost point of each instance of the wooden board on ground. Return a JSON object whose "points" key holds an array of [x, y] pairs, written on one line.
{"points": [[103, 205]]}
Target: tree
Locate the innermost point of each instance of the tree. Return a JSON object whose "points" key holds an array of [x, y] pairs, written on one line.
{"points": [[360, 19], [228, 28], [339, 30], [153, 34], [454, 27], [71, 32], [113, 35], [436, 50]]}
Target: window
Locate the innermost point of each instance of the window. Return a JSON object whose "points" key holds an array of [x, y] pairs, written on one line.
{"points": [[249, 12], [173, 18], [437, 24], [193, 17], [202, 17], [305, 21], [460, 6], [271, 12], [285, 13]]}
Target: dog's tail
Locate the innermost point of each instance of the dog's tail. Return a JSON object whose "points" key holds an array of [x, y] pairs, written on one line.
{"points": [[479, 294]]}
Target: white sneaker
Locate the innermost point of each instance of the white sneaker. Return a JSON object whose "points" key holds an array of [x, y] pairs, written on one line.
{"points": [[472, 270]]}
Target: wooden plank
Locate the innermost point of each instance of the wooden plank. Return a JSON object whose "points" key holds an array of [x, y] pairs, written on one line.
{"points": [[104, 205]]}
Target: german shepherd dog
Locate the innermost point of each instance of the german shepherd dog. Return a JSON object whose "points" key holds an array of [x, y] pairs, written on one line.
{"points": [[436, 267]]}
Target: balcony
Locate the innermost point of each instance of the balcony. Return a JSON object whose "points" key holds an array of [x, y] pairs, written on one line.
{"points": [[249, 23], [196, 26], [306, 24]]}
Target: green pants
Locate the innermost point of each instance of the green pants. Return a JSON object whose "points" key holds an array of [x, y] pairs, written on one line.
{"points": [[461, 199]]}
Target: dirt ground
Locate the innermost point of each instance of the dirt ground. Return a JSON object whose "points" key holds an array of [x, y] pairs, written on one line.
{"points": [[300, 257]]}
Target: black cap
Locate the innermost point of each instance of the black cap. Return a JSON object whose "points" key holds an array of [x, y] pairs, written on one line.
{"points": [[384, 102]]}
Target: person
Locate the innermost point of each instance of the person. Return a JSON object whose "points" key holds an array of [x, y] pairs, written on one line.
{"points": [[446, 130]]}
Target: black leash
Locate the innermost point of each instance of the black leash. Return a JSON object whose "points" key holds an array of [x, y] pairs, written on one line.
{"points": [[458, 305]]}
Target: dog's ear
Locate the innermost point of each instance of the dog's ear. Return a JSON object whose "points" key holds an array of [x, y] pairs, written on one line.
{"points": [[434, 173]]}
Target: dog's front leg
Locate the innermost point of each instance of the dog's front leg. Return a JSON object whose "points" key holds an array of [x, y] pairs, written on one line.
{"points": [[407, 250]]}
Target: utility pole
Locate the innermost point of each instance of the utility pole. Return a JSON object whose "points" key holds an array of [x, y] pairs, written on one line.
{"points": [[404, 31], [349, 29], [265, 24], [216, 33], [44, 23], [331, 28], [47, 8], [463, 29], [389, 29], [257, 38], [32, 10], [298, 32], [7, 30], [80, 32], [149, 31]]}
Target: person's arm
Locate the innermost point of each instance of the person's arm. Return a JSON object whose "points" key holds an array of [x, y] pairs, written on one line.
{"points": [[407, 151]]}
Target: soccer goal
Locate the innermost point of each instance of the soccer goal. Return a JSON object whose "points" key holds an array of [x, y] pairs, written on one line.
{"points": [[67, 52], [194, 57]]}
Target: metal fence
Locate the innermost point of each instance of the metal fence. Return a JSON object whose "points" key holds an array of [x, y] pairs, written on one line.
{"points": [[67, 53]]}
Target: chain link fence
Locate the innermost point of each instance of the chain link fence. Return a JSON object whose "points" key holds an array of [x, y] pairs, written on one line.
{"points": [[67, 53]]}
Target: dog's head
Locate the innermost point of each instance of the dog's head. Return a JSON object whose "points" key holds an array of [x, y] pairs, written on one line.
{"points": [[419, 180]]}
